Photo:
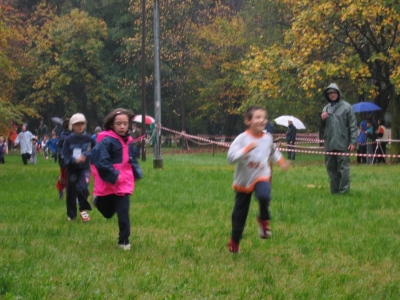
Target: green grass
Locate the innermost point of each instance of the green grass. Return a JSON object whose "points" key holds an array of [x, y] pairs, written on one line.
{"points": [[323, 247]]}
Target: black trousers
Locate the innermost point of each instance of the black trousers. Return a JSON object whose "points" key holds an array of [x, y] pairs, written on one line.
{"points": [[111, 204], [291, 154], [362, 149], [25, 158], [262, 192], [77, 188]]}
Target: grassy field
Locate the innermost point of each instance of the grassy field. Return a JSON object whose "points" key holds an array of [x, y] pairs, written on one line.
{"points": [[323, 246]]}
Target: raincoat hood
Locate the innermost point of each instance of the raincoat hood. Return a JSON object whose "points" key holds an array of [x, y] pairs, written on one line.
{"points": [[335, 87]]}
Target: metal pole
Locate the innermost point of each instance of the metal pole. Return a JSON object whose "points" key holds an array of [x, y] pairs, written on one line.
{"points": [[143, 146], [158, 162]]}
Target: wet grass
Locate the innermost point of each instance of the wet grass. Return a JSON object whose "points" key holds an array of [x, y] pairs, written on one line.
{"points": [[323, 247]]}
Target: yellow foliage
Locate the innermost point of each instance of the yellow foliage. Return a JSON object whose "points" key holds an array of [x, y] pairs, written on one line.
{"points": [[324, 41]]}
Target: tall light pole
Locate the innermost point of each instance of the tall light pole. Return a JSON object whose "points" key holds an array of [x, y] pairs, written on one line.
{"points": [[143, 146], [158, 162]]}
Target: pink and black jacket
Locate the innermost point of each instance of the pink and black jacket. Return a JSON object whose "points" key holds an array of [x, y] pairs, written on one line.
{"points": [[114, 164]]}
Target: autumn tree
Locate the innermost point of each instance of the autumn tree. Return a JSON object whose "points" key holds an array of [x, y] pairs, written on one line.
{"points": [[174, 19], [70, 72], [354, 43], [196, 38], [12, 60], [218, 48], [121, 25]]}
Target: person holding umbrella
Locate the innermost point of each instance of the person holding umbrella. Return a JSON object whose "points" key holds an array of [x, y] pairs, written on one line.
{"points": [[58, 126], [290, 139], [340, 136]]}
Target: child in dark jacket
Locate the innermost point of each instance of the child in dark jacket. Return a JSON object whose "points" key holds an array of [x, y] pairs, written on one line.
{"points": [[62, 179], [3, 149], [115, 169], [76, 157], [52, 145]]}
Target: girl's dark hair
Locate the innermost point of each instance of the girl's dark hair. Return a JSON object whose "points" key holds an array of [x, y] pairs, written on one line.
{"points": [[65, 124], [382, 121], [109, 119], [250, 111]]}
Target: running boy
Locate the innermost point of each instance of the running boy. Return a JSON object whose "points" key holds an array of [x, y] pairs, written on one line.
{"points": [[76, 156], [24, 139], [115, 169], [52, 145], [251, 152]]}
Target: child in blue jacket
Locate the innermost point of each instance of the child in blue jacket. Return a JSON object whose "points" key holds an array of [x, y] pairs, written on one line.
{"points": [[76, 157], [115, 169]]}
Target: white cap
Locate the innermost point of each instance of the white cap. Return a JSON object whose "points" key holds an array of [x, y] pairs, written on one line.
{"points": [[76, 118]]}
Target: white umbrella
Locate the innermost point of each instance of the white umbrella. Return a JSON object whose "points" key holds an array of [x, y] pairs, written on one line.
{"points": [[57, 120], [284, 121]]}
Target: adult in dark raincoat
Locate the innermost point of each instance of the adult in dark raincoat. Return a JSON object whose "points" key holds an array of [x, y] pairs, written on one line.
{"points": [[340, 135]]}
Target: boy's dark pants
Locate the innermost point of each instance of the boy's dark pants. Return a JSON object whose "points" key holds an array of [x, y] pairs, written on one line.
{"points": [[2, 161], [77, 187], [111, 204], [262, 192], [25, 158]]}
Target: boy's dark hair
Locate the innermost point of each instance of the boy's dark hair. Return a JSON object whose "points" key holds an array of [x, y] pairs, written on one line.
{"points": [[109, 119], [250, 111]]}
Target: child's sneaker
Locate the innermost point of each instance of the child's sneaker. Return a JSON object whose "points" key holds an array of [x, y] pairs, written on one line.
{"points": [[85, 216], [264, 229], [233, 247], [125, 246]]}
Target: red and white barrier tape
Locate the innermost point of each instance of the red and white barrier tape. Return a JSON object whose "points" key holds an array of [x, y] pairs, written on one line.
{"points": [[197, 138], [140, 138], [338, 153], [225, 144]]}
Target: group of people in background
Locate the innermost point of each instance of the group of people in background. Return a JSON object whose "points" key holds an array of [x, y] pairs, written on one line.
{"points": [[30, 144], [110, 155], [372, 139]]}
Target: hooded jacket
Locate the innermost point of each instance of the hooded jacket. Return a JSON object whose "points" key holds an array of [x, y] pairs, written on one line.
{"points": [[340, 127], [115, 167]]}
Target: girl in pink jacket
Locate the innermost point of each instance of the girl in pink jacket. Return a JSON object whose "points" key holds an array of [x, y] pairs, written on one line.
{"points": [[115, 169]]}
